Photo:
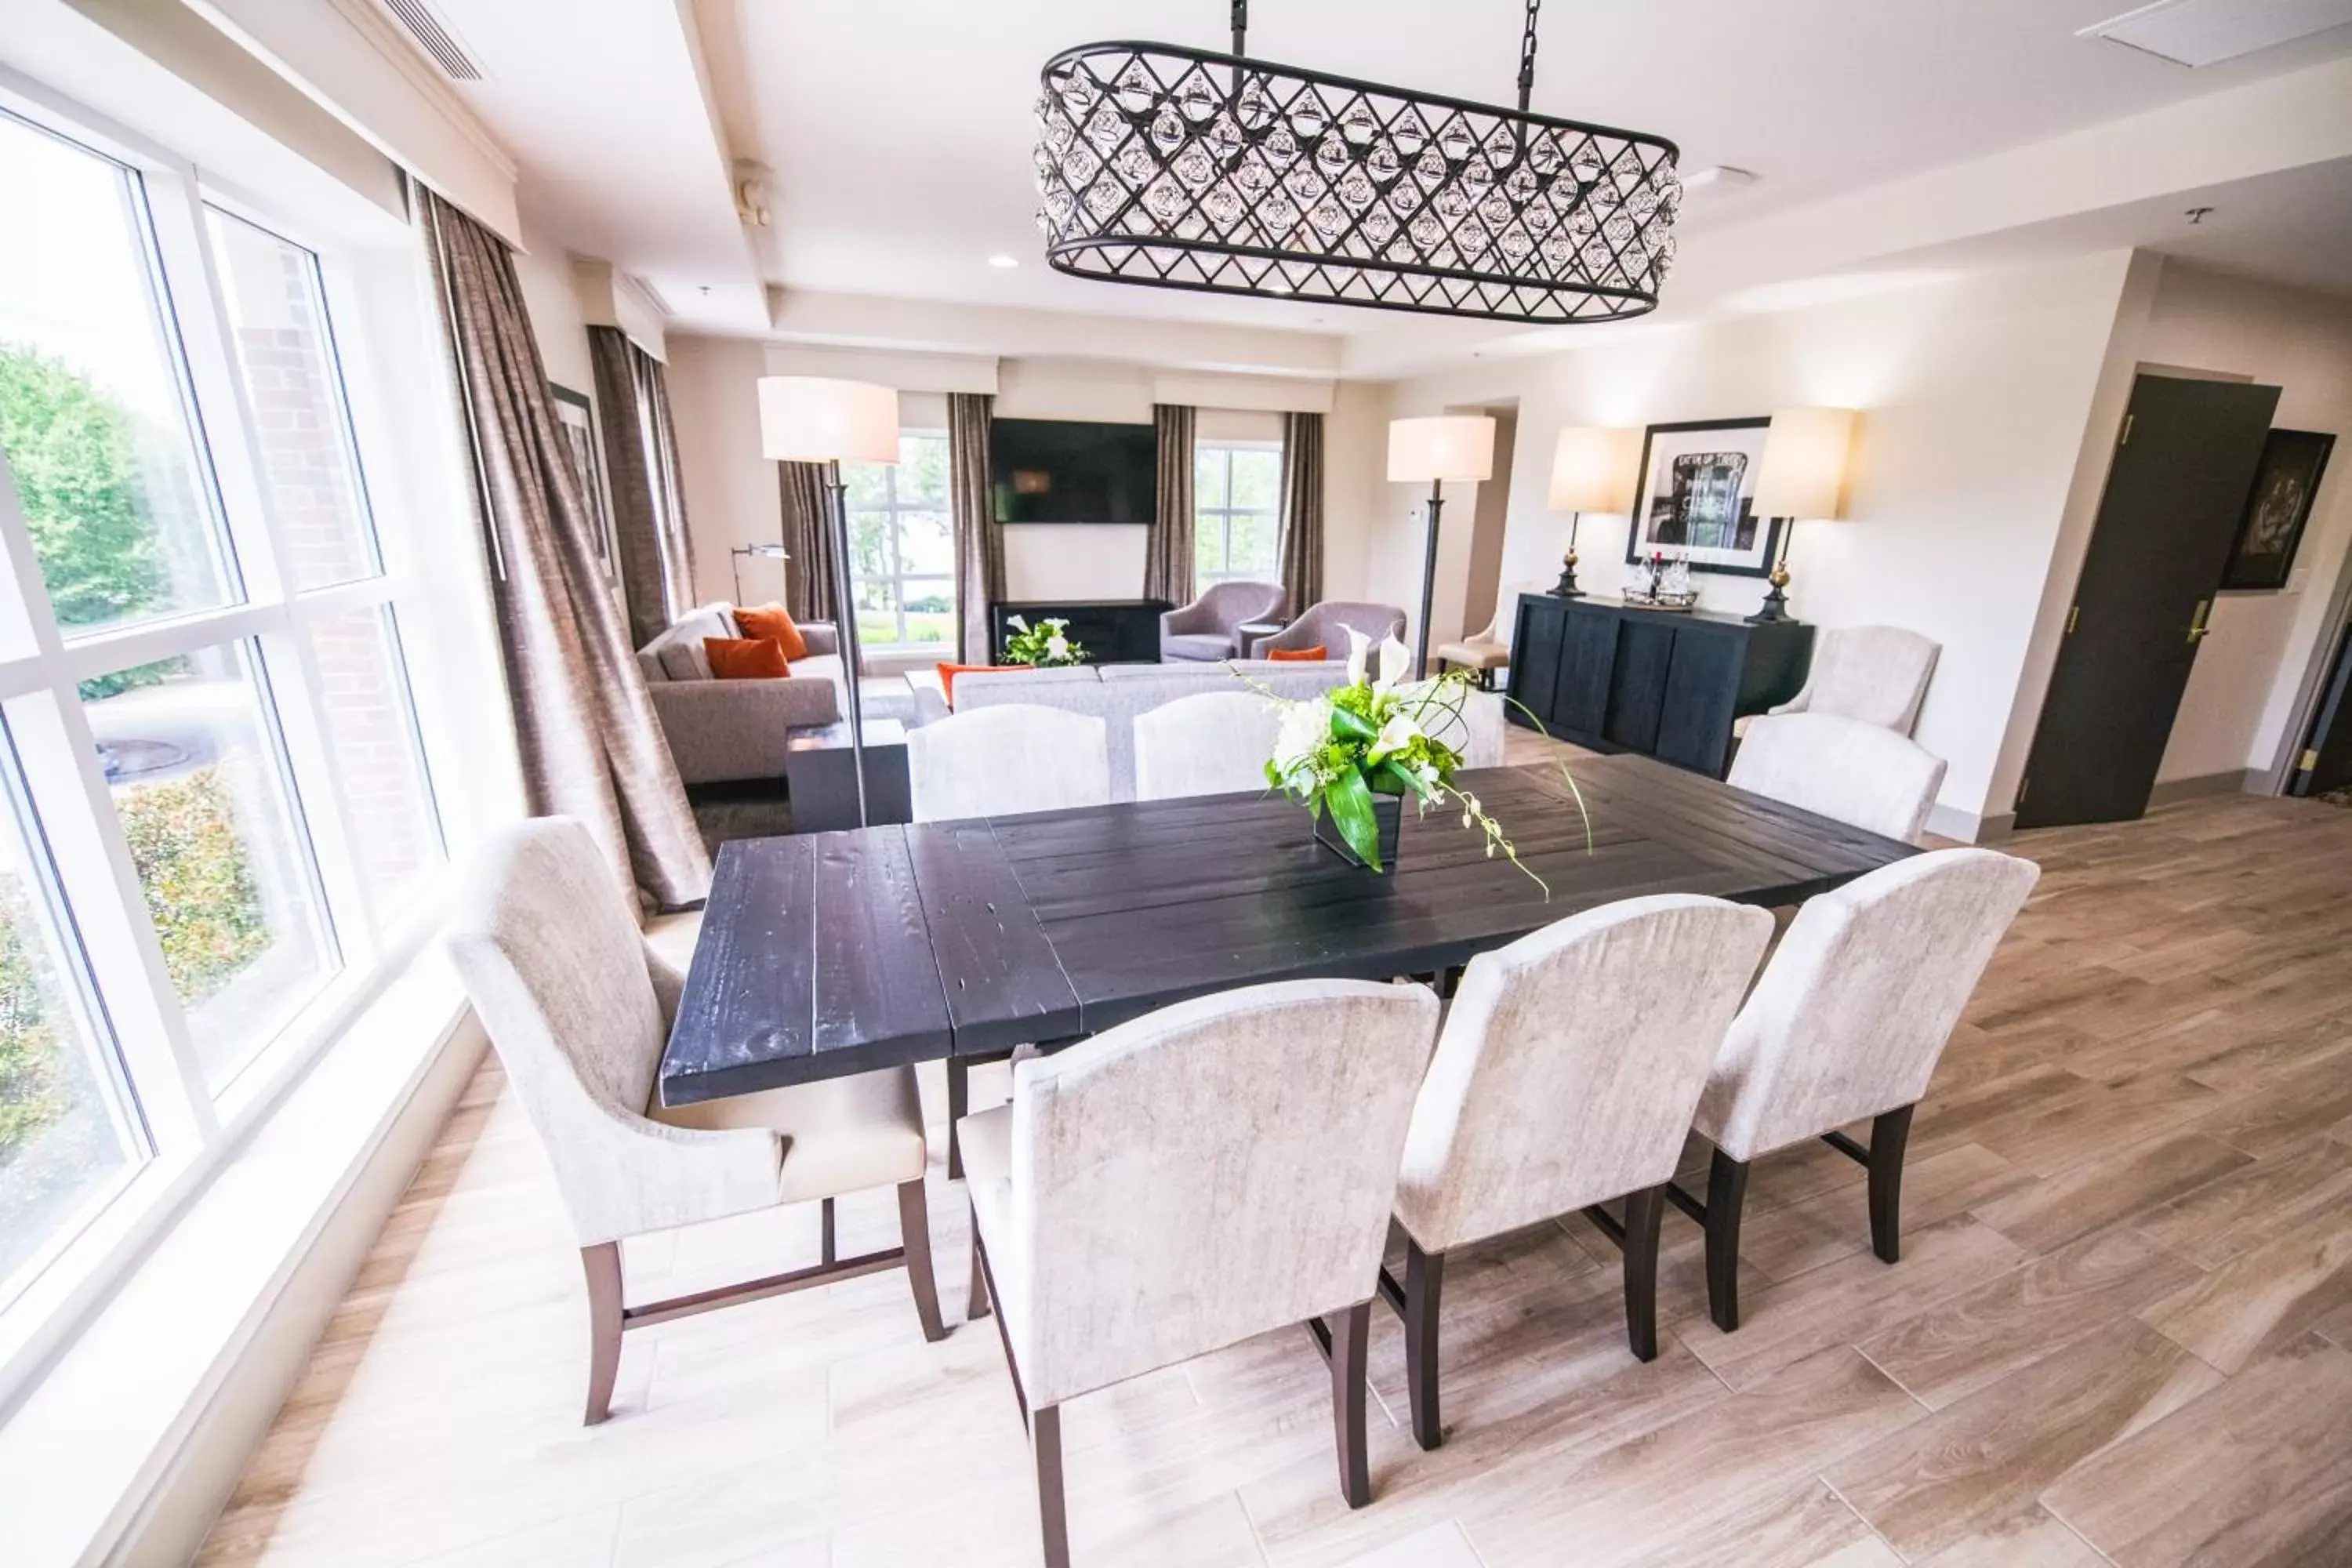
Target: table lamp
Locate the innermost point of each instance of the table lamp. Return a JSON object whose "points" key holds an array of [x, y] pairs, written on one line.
{"points": [[1801, 474], [816, 420], [1450, 447], [1591, 471]]}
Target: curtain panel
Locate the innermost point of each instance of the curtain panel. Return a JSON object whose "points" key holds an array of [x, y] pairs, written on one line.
{"points": [[980, 543], [1168, 555], [808, 540], [1301, 558], [641, 463], [585, 726]]}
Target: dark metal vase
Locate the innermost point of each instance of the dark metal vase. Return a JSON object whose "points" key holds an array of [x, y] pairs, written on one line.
{"points": [[1387, 812]]}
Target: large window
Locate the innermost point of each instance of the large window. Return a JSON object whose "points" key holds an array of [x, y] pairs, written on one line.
{"points": [[902, 548], [213, 808], [1236, 490]]}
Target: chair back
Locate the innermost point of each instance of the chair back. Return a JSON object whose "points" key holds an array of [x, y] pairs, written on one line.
{"points": [[1570, 1063], [1212, 1171], [1876, 674], [1213, 743], [1861, 999], [1000, 761], [1326, 624], [1868, 777]]}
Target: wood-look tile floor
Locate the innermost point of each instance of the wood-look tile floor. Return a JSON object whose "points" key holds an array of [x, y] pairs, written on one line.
{"points": [[2121, 1330]]}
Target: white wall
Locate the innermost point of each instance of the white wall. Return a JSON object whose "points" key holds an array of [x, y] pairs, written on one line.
{"points": [[1974, 393], [732, 495], [2243, 694]]}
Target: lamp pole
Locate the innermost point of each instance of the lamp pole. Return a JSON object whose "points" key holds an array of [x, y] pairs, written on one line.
{"points": [[846, 623], [1428, 581]]}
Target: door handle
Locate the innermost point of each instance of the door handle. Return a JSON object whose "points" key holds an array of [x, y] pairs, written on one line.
{"points": [[2197, 628]]}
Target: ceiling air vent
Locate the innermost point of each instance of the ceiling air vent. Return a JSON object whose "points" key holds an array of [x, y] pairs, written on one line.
{"points": [[431, 35], [2207, 32]]}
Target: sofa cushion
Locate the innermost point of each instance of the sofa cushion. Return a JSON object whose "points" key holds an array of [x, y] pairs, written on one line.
{"points": [[746, 658], [1196, 646], [775, 622]]}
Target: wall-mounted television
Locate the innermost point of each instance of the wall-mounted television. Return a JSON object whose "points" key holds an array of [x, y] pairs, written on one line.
{"points": [[1072, 471]]}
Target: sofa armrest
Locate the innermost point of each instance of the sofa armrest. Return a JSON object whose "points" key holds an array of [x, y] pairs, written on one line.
{"points": [[821, 637], [721, 731]]}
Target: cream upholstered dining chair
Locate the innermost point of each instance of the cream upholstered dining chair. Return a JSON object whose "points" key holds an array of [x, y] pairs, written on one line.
{"points": [[1566, 1075], [578, 1008], [1846, 1025], [1011, 758], [1212, 743], [1869, 777], [1180, 1182], [1489, 650], [1876, 674]]}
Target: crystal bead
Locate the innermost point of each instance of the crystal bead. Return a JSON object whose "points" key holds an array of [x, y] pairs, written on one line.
{"points": [[1544, 155], [1451, 204], [1191, 227], [1165, 200], [1331, 155], [1060, 134], [1079, 165], [1254, 178], [1600, 262], [1495, 212], [1430, 169], [1222, 205], [1102, 199], [1581, 222], [1381, 161], [1278, 212], [1425, 231], [1167, 129], [1304, 184], [1515, 244], [1356, 190], [1377, 226], [1521, 185], [1058, 203], [1360, 125], [1106, 128], [1619, 231], [1080, 92], [1409, 136], [1136, 93], [1194, 167], [1133, 165], [1584, 166], [1280, 148], [1476, 178], [1327, 221], [1502, 148], [1224, 138], [1557, 253], [1454, 141], [1307, 119], [1255, 109], [1196, 101]]}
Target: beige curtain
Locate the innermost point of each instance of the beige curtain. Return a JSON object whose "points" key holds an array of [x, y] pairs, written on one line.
{"points": [[980, 543], [1302, 510], [1168, 555], [808, 540], [585, 724], [641, 459]]}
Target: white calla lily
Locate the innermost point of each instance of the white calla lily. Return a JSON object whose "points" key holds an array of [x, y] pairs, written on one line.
{"points": [[1016, 623], [1396, 663], [1398, 733], [1359, 648]]}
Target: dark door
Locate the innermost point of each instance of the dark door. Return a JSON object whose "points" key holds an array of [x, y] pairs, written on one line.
{"points": [[2325, 762], [2184, 462]]}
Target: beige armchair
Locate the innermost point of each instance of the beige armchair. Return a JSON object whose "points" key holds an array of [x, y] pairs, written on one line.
{"points": [[578, 1009], [1184, 1182], [1846, 1025]]}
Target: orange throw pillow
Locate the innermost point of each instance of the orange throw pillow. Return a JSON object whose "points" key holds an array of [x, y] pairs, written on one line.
{"points": [[1296, 655], [775, 622], [746, 658], [948, 672]]}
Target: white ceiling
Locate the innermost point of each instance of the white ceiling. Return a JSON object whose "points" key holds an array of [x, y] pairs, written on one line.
{"points": [[899, 130]]}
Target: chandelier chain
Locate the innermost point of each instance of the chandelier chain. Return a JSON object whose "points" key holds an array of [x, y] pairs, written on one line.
{"points": [[1527, 56], [1241, 26]]}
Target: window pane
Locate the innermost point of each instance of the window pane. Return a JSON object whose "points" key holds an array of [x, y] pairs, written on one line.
{"points": [[192, 759], [1257, 477], [930, 610], [923, 470], [1209, 544], [66, 1138], [1209, 475], [93, 415], [278, 314], [1252, 545], [878, 611], [395, 836], [926, 545]]}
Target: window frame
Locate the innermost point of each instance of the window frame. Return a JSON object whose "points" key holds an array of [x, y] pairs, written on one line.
{"points": [[67, 804], [1226, 511], [894, 508]]}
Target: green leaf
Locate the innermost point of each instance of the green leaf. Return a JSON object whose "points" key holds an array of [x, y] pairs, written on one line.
{"points": [[1348, 726], [1350, 805]]}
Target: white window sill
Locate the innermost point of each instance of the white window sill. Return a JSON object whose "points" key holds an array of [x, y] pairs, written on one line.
{"points": [[86, 1456]]}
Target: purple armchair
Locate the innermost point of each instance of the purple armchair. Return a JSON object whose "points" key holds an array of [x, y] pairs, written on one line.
{"points": [[1207, 629], [1326, 625]]}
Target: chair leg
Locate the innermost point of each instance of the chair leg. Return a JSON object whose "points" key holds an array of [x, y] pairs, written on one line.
{"points": [[1890, 1135], [1053, 1516], [975, 1300], [602, 1263], [1727, 1192], [1424, 1279], [915, 1237], [958, 1107], [1350, 1331], [824, 1231], [1644, 1211]]}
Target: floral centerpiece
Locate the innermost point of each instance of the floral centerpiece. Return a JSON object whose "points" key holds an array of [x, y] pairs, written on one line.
{"points": [[1352, 755], [1045, 646]]}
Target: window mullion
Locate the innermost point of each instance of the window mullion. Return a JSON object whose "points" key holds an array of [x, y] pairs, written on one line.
{"points": [[290, 663]]}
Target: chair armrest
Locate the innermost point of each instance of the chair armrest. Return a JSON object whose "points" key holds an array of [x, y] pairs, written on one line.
{"points": [[821, 637], [1188, 619], [721, 731], [1801, 702]]}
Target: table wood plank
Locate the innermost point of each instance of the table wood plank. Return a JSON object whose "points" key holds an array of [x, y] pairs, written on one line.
{"points": [[878, 999], [749, 1006], [1002, 985]]}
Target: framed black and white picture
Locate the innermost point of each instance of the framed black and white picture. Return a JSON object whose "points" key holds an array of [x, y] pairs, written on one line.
{"points": [[2285, 485], [1697, 498], [575, 419]]}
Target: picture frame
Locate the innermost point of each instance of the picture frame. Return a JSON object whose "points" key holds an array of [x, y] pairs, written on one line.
{"points": [[1696, 497], [575, 421], [2286, 485]]}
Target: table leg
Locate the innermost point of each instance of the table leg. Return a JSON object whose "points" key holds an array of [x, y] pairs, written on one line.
{"points": [[958, 1107]]}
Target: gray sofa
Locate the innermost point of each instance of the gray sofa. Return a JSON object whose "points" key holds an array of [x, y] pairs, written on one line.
{"points": [[723, 731], [1116, 693]]}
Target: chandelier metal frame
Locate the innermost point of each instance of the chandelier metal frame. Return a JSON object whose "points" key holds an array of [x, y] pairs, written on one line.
{"points": [[1172, 167]]}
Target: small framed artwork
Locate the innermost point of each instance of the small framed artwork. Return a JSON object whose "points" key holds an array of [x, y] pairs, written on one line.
{"points": [[1697, 498], [575, 419], [2285, 484]]}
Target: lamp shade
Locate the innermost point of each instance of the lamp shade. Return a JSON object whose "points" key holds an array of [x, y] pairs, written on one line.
{"points": [[1592, 470], [1803, 471], [1453, 446], [815, 419]]}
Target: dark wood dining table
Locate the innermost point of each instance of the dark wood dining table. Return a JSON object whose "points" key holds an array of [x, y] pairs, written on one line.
{"points": [[829, 953]]}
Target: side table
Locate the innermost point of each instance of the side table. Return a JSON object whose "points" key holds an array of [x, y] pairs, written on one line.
{"points": [[825, 787]]}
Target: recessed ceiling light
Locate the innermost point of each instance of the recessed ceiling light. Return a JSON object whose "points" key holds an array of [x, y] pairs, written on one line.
{"points": [[1000, 260]]}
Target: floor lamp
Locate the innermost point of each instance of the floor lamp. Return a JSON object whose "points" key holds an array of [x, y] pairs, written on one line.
{"points": [[1430, 451], [815, 419], [1591, 471]]}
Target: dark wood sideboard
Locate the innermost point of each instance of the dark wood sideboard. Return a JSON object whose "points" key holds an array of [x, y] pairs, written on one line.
{"points": [[1112, 631], [1667, 684]]}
